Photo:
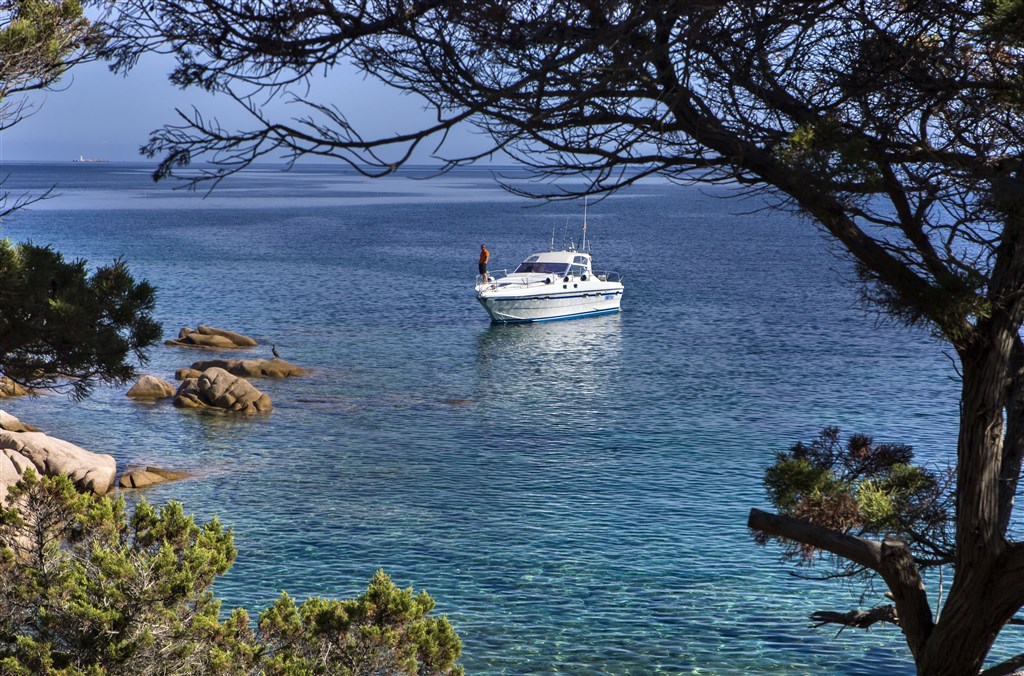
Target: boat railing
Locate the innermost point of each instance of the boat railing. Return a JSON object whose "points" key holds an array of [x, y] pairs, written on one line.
{"points": [[500, 278], [491, 277]]}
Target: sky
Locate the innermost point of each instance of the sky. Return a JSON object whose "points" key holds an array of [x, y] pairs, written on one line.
{"points": [[96, 114]]}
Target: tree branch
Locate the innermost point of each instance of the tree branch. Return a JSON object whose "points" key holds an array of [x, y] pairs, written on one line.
{"points": [[860, 619], [1006, 668], [890, 558]]}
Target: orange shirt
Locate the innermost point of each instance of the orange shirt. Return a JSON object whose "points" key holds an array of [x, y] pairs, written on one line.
{"points": [[485, 255]]}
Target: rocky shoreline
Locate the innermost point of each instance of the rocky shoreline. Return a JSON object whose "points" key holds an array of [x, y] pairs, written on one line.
{"points": [[218, 385], [23, 450]]}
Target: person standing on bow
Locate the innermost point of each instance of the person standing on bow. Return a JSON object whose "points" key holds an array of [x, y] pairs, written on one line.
{"points": [[485, 256]]}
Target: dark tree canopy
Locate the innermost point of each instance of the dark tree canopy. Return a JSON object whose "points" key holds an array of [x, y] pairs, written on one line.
{"points": [[64, 327], [61, 326], [896, 127], [386, 630]]}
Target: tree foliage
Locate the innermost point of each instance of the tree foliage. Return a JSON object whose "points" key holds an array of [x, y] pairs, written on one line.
{"points": [[385, 631], [865, 489], [39, 41], [896, 127], [62, 326], [86, 588]]}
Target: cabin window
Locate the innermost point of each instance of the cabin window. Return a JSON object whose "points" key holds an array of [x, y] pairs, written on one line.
{"points": [[580, 260], [577, 270], [542, 268]]}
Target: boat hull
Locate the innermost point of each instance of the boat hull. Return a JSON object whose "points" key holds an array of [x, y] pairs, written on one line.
{"points": [[545, 305]]}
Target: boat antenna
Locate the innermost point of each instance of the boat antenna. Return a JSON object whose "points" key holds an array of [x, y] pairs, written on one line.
{"points": [[583, 239], [552, 237]]}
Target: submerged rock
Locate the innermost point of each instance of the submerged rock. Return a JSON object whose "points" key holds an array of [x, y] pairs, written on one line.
{"points": [[216, 388], [137, 478], [247, 368], [151, 387], [458, 402], [208, 336], [50, 456]]}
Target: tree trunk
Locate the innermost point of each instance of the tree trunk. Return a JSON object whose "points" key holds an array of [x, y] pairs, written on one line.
{"points": [[979, 450], [987, 590], [1013, 443], [975, 609], [966, 630]]}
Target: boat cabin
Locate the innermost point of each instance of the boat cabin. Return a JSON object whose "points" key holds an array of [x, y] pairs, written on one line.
{"points": [[558, 263]]}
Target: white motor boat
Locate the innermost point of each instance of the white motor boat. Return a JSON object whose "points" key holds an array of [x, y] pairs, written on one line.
{"points": [[550, 285]]}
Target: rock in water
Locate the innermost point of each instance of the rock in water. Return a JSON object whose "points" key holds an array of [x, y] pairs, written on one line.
{"points": [[9, 388], [216, 388], [146, 477], [198, 340], [236, 338], [247, 368], [11, 424], [151, 387], [51, 456], [208, 336]]}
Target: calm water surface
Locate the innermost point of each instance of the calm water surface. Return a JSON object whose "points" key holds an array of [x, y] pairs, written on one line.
{"points": [[573, 494]]}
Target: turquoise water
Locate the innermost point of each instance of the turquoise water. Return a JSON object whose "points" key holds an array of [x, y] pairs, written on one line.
{"points": [[573, 494]]}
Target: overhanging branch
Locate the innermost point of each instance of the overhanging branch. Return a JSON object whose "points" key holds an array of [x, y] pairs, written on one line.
{"points": [[864, 552], [890, 558]]}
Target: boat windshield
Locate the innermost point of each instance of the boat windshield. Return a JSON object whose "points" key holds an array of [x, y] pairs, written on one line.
{"points": [[543, 268]]}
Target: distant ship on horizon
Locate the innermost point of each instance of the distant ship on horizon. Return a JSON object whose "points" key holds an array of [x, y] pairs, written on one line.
{"points": [[84, 159]]}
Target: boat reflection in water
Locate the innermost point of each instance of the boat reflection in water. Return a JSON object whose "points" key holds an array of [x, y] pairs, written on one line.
{"points": [[571, 362]]}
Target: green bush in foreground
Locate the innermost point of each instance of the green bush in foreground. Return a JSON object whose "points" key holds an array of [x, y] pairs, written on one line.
{"points": [[87, 589]]}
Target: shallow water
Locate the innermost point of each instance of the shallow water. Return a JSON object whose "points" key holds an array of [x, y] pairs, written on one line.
{"points": [[573, 494]]}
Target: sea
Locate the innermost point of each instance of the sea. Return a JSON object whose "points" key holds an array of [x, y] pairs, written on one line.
{"points": [[574, 494]]}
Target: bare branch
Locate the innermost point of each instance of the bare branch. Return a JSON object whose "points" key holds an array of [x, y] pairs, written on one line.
{"points": [[859, 619]]}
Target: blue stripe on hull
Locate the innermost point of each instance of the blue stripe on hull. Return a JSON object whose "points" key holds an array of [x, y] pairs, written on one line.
{"points": [[593, 313]]}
